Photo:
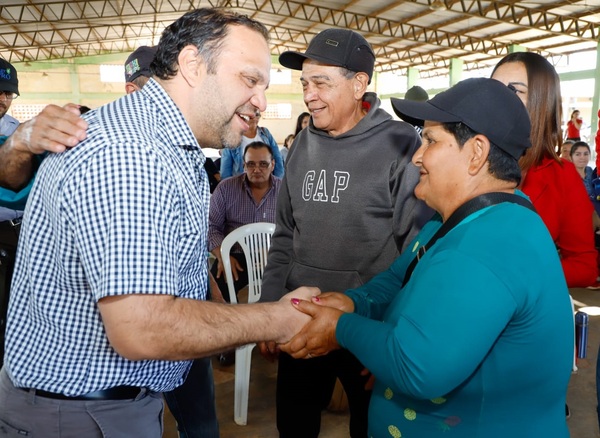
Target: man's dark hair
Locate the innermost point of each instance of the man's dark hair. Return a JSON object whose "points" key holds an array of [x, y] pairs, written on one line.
{"points": [[140, 81], [257, 145], [204, 28], [502, 165]]}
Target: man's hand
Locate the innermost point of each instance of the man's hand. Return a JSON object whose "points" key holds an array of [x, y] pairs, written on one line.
{"points": [[54, 129], [269, 350], [317, 338], [293, 321], [235, 266], [215, 292]]}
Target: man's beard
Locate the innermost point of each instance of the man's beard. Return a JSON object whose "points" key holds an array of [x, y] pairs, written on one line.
{"points": [[230, 139]]}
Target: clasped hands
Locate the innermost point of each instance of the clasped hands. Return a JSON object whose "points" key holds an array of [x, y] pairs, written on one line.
{"points": [[317, 337]]}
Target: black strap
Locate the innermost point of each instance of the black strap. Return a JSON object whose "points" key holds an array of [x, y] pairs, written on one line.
{"points": [[471, 206]]}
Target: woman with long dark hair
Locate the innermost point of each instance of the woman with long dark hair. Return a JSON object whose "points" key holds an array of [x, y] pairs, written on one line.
{"points": [[302, 122], [552, 184]]}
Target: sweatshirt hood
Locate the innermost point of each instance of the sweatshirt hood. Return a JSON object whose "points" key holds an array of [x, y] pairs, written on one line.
{"points": [[374, 117]]}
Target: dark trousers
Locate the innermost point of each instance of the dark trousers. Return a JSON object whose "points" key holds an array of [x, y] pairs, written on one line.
{"points": [[304, 388], [193, 403], [9, 236], [222, 281]]}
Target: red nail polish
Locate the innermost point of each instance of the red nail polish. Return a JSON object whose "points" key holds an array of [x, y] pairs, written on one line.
{"points": [[316, 299], [295, 301]]}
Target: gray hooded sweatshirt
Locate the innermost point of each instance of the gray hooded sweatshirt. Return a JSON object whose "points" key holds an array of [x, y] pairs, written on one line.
{"points": [[346, 206]]}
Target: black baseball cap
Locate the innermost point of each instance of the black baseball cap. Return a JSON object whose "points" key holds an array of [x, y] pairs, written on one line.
{"points": [[8, 77], [416, 93], [342, 47], [138, 63], [487, 106]]}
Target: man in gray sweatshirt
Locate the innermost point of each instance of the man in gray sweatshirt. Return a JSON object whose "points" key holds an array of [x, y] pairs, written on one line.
{"points": [[345, 210]]}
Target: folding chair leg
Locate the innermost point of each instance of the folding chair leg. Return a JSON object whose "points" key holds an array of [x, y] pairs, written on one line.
{"points": [[243, 358]]}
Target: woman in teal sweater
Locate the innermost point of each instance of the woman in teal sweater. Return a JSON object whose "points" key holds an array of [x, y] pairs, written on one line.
{"points": [[475, 340]]}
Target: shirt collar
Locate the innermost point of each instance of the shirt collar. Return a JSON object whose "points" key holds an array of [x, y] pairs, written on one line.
{"points": [[169, 111]]}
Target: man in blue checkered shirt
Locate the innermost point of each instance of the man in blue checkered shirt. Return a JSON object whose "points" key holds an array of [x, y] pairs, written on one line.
{"points": [[107, 299]]}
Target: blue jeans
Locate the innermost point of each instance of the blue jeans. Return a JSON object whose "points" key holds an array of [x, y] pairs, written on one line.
{"points": [[193, 403]]}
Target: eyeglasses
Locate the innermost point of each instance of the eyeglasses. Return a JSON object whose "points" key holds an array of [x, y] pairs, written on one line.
{"points": [[261, 164], [8, 95]]}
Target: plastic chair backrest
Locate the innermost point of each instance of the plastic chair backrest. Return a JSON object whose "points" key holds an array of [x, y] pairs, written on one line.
{"points": [[255, 240]]}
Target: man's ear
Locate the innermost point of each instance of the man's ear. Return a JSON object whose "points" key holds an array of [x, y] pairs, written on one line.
{"points": [[360, 84], [480, 149], [130, 87], [191, 65]]}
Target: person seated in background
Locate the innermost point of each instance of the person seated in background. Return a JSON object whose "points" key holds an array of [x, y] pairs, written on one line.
{"points": [[580, 157], [232, 159], [552, 184], [301, 122], [473, 324], [240, 200], [287, 144], [565, 150]]}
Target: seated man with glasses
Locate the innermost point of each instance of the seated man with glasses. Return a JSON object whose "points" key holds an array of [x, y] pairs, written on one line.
{"points": [[240, 200], [232, 159]]}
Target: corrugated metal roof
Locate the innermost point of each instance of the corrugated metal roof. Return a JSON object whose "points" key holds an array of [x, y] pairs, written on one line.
{"points": [[424, 34]]}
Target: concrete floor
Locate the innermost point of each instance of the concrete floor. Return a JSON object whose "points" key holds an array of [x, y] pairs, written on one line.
{"points": [[581, 395], [261, 405]]}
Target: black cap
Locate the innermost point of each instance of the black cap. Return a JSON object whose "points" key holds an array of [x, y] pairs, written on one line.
{"points": [[8, 77], [341, 47], [138, 63], [485, 105], [416, 93]]}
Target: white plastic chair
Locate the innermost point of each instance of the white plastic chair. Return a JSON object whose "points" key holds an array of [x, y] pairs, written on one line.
{"points": [[255, 240]]}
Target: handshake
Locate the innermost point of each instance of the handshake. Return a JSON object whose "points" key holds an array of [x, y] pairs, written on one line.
{"points": [[312, 321]]}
